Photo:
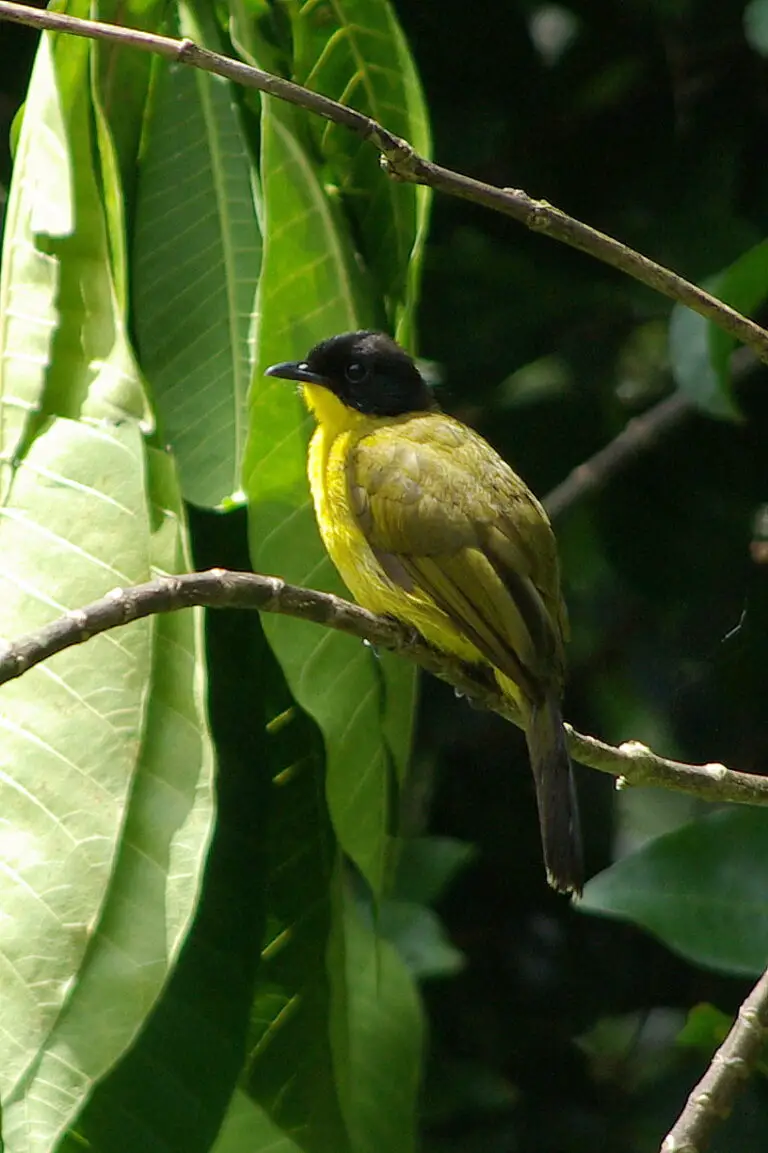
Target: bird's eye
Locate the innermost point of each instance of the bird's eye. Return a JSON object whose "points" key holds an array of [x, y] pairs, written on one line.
{"points": [[355, 372]]}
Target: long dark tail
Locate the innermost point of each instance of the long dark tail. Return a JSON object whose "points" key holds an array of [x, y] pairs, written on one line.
{"points": [[556, 797]]}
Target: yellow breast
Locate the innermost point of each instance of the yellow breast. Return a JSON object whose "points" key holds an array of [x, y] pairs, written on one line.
{"points": [[338, 431]]}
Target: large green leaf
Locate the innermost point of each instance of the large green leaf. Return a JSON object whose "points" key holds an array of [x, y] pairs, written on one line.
{"points": [[197, 253], [355, 52], [107, 801], [701, 889], [311, 287], [107, 789], [71, 728], [172, 1089]]}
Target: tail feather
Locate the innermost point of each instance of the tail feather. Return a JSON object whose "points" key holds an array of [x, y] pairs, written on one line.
{"points": [[556, 797]]}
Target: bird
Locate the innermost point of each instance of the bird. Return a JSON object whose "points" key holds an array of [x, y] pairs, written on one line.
{"points": [[426, 523]]}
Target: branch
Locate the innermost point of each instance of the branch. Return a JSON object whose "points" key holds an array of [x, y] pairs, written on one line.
{"points": [[403, 163], [639, 434], [632, 762], [713, 1097]]}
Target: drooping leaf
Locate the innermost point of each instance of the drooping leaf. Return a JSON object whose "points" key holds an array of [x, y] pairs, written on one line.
{"points": [[197, 253], [39, 209], [701, 889]]}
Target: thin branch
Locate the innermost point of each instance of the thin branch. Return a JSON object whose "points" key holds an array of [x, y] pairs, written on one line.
{"points": [[403, 163], [713, 1097], [639, 434], [632, 763]]}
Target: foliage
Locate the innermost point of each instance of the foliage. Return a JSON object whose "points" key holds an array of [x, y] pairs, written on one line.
{"points": [[251, 971]]}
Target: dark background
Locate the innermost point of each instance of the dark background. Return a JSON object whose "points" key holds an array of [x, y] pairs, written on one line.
{"points": [[651, 123]]}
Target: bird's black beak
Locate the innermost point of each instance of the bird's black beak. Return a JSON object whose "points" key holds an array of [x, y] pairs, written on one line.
{"points": [[296, 370]]}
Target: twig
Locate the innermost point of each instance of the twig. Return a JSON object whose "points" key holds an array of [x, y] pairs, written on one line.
{"points": [[632, 763], [713, 1097], [403, 163], [638, 434]]}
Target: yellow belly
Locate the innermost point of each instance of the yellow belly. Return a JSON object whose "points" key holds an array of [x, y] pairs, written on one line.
{"points": [[355, 560]]}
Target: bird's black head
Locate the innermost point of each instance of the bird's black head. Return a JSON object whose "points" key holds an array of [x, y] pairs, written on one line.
{"points": [[367, 371]]}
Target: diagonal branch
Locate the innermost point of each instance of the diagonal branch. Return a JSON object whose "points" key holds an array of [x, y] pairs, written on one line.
{"points": [[403, 163], [632, 762], [637, 435], [713, 1097]]}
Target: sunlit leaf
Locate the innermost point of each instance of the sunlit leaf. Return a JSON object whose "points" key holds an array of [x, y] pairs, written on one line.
{"points": [[108, 777], [172, 1089], [39, 209], [355, 52], [197, 252]]}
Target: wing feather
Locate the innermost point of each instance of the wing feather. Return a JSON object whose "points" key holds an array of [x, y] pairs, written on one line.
{"points": [[453, 520]]}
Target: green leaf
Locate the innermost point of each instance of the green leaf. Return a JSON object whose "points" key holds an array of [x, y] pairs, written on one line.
{"points": [[290, 1068], [355, 52], [705, 1028], [420, 939], [427, 865], [39, 209], [172, 1089], [71, 728], [62, 285], [197, 252], [691, 359], [120, 82], [248, 1129], [701, 351], [310, 287], [701, 889], [385, 1042], [756, 25], [744, 285], [107, 809]]}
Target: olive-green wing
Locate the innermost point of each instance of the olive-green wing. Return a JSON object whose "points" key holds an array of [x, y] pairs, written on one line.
{"points": [[443, 511]]}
